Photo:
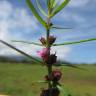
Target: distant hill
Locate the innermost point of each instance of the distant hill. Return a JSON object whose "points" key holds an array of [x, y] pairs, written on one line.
{"points": [[17, 59], [23, 59]]}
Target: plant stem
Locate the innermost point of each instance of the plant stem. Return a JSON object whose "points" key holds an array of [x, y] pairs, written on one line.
{"points": [[49, 66]]}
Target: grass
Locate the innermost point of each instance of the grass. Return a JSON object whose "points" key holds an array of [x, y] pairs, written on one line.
{"points": [[17, 80]]}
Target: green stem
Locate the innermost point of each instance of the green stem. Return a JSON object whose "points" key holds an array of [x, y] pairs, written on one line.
{"points": [[49, 66]]}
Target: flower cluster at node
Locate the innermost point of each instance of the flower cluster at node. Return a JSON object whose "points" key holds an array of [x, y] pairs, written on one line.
{"points": [[48, 59], [55, 76], [51, 40], [43, 41], [45, 52]]}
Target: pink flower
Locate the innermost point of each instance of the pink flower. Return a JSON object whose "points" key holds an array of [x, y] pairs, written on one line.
{"points": [[44, 53], [56, 75]]}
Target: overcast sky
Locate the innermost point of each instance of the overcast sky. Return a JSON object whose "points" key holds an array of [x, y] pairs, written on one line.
{"points": [[18, 23]]}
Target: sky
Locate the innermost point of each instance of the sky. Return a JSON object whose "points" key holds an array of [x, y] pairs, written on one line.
{"points": [[18, 23]]}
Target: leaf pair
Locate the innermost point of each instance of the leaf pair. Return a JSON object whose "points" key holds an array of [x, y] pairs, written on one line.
{"points": [[60, 7], [36, 14], [40, 8], [66, 43], [51, 4], [34, 59], [77, 42]]}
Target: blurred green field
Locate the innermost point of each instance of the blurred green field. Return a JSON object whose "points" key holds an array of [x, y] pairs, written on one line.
{"points": [[17, 80]]}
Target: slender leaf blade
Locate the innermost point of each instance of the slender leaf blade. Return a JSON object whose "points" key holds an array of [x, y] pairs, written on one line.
{"points": [[40, 8], [55, 4], [27, 42], [60, 7], [23, 53], [31, 6], [52, 3], [48, 4], [56, 27], [40, 82], [62, 90], [71, 65], [76, 42]]}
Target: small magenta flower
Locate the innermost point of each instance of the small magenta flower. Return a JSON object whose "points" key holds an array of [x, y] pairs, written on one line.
{"points": [[56, 74], [44, 53]]}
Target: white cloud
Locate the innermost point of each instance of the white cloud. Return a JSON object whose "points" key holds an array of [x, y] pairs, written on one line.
{"points": [[23, 21], [76, 3], [61, 51], [4, 27], [69, 16], [12, 18], [79, 3], [15, 19], [5, 9], [29, 49]]}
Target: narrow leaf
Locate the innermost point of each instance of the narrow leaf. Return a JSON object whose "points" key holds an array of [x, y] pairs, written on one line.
{"points": [[58, 9], [23, 53], [40, 8], [42, 81], [73, 66], [48, 4], [62, 90], [31, 6], [52, 3], [27, 42], [77, 42], [55, 4], [55, 27], [35, 82]]}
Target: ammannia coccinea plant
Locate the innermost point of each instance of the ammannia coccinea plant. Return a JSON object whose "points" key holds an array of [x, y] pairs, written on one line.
{"points": [[48, 59]]}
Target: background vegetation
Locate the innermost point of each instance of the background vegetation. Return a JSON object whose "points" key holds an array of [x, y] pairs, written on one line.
{"points": [[18, 79]]}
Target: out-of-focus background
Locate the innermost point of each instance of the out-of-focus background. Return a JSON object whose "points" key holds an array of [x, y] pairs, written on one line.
{"points": [[18, 23]]}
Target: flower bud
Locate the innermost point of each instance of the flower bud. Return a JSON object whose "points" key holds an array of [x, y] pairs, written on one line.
{"points": [[51, 39], [56, 75], [43, 41], [52, 59]]}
